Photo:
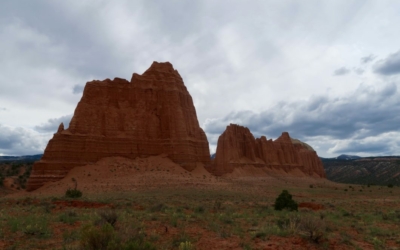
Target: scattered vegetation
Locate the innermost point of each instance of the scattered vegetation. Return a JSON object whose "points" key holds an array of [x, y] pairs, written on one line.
{"points": [[19, 171], [193, 218]]}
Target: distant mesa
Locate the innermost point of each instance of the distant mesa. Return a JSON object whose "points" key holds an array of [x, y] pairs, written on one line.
{"points": [[150, 115], [153, 114], [343, 157], [347, 157], [237, 147]]}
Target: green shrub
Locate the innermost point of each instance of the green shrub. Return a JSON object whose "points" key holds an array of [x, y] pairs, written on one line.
{"points": [[199, 209], [390, 185], [73, 193], [285, 201]]}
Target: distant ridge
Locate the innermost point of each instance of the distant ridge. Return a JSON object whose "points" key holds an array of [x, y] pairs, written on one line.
{"points": [[380, 170], [21, 158]]}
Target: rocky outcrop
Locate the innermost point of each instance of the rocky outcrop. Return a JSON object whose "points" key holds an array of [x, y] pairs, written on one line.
{"points": [[150, 115], [237, 147]]}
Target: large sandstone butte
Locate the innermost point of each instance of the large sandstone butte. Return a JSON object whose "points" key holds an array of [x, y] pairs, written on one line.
{"points": [[237, 147], [150, 115]]}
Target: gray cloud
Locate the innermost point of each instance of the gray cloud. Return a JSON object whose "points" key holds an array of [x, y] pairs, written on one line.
{"points": [[3, 109], [368, 59], [361, 146], [365, 113], [341, 71], [78, 88], [19, 141], [389, 65], [359, 71], [52, 124]]}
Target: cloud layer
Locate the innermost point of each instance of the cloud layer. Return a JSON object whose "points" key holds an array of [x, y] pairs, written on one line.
{"points": [[389, 65], [350, 123], [326, 71]]}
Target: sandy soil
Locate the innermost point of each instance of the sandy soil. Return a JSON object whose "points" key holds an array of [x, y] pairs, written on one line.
{"points": [[115, 174]]}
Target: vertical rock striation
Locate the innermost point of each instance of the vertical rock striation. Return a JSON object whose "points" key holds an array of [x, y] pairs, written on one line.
{"points": [[150, 115], [237, 147]]}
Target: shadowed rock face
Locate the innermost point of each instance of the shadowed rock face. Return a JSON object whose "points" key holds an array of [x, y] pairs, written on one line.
{"points": [[237, 147], [150, 115]]}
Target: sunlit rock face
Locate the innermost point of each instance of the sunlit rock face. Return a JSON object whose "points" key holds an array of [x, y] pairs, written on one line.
{"points": [[150, 115]]}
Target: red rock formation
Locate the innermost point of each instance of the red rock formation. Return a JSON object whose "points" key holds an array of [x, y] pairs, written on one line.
{"points": [[150, 115], [237, 147]]}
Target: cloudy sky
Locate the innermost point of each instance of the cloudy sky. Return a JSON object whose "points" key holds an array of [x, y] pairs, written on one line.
{"points": [[328, 72]]}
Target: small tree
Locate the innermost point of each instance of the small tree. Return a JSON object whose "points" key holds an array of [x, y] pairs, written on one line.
{"points": [[285, 201], [73, 193]]}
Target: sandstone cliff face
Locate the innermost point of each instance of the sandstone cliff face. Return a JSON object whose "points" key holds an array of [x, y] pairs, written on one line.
{"points": [[237, 147], [150, 115]]}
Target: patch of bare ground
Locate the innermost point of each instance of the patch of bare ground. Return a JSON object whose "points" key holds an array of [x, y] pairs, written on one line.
{"points": [[152, 203]]}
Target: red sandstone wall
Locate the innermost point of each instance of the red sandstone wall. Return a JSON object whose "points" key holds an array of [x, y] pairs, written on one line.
{"points": [[237, 147], [150, 115]]}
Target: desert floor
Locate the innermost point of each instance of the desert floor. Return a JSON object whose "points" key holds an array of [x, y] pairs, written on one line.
{"points": [[152, 203]]}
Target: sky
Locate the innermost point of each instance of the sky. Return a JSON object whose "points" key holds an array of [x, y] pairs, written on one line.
{"points": [[327, 72]]}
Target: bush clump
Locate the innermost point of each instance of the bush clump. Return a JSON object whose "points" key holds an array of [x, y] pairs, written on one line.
{"points": [[93, 238], [105, 237], [73, 193], [109, 216], [313, 228], [285, 201]]}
